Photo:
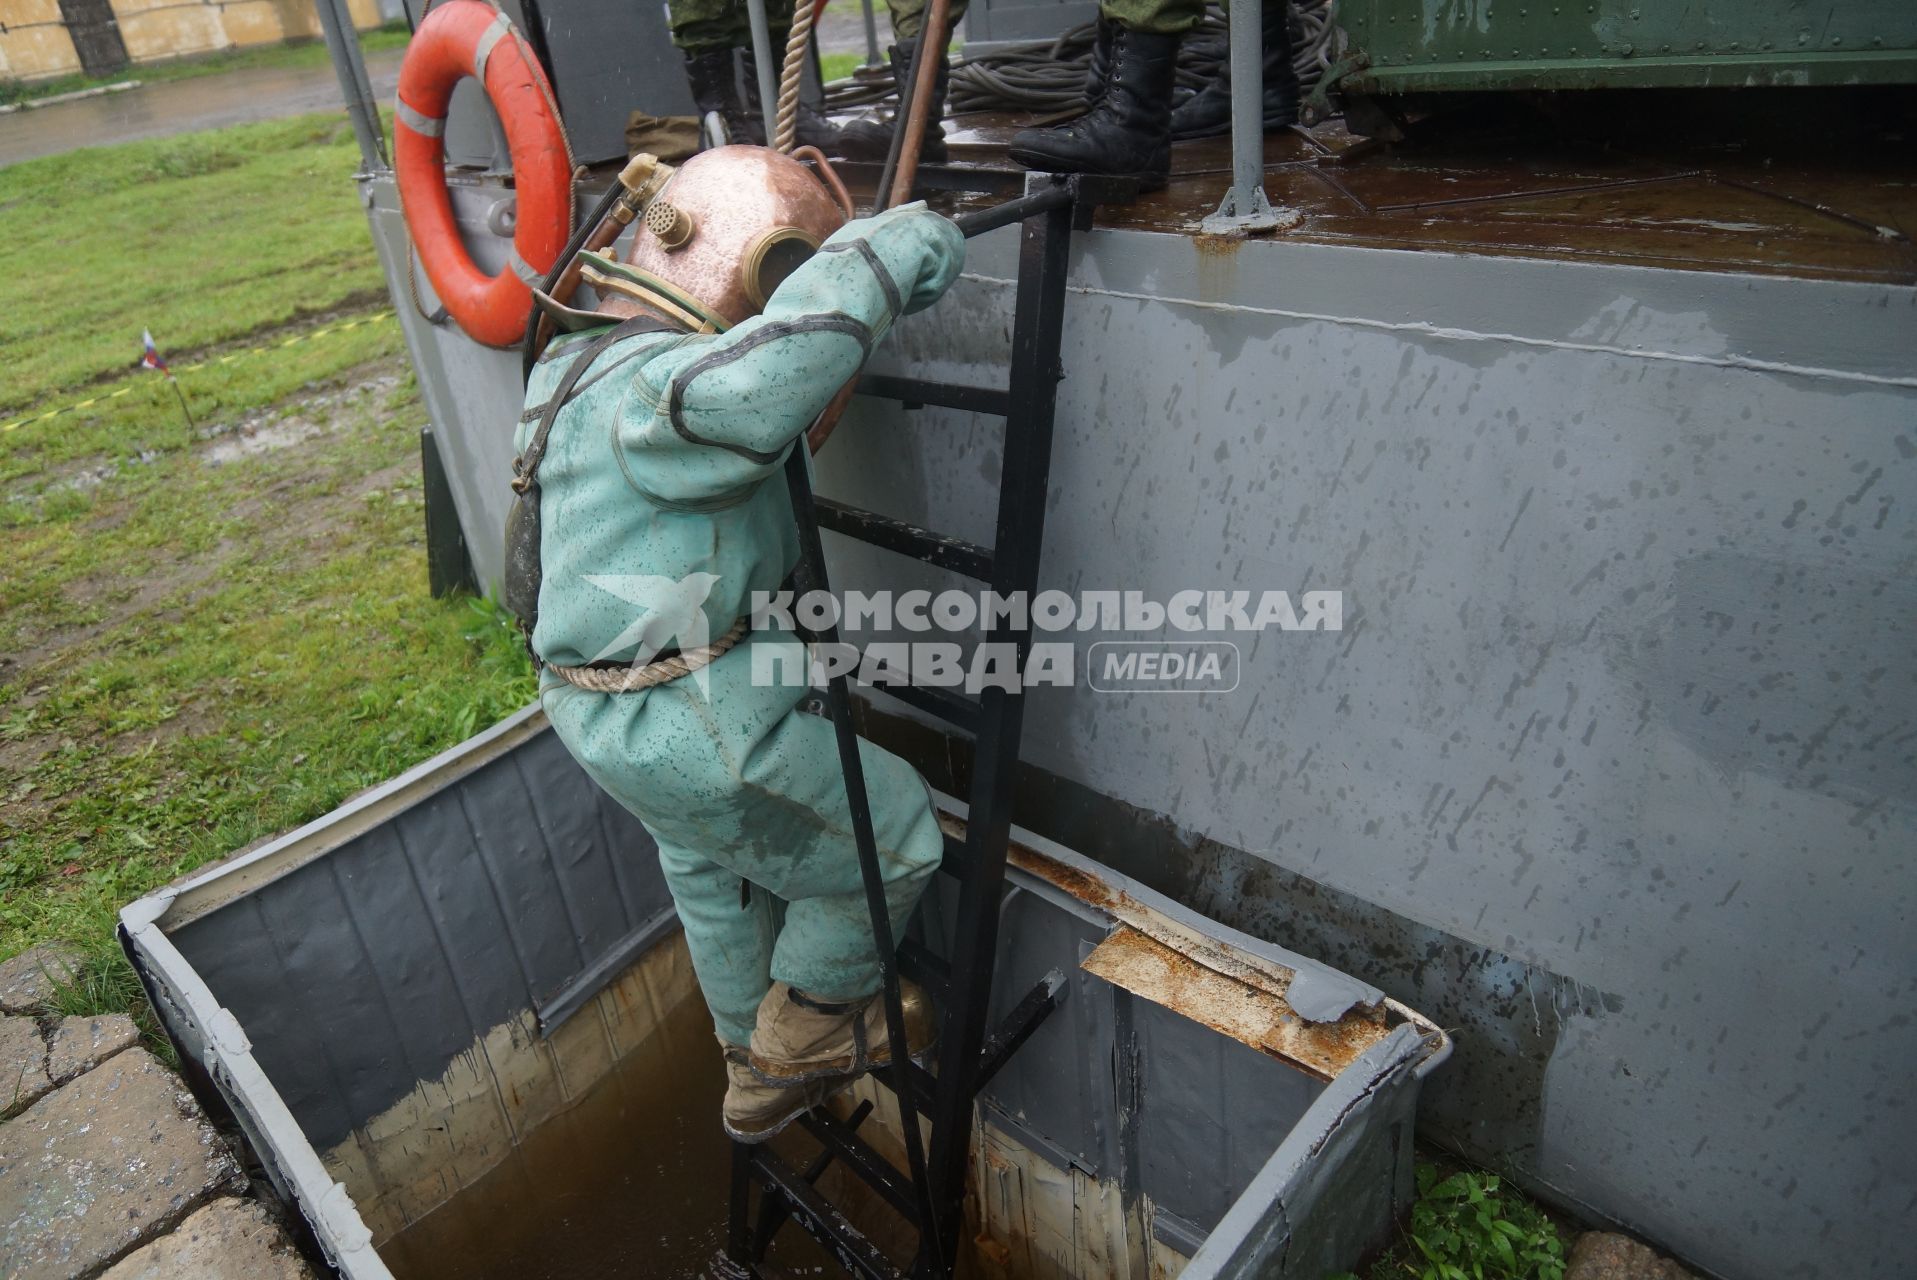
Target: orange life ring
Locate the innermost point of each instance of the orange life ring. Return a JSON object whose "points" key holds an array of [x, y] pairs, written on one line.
{"points": [[470, 38]]}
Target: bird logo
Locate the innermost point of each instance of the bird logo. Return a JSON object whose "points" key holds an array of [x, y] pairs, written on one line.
{"points": [[671, 614]]}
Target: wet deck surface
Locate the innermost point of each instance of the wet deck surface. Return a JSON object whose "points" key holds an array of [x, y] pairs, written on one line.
{"points": [[1813, 184]]}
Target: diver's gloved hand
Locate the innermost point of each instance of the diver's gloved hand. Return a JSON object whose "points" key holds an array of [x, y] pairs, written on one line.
{"points": [[922, 251]]}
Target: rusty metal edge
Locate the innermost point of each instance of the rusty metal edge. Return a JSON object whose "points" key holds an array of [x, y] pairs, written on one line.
{"points": [[1263, 966]]}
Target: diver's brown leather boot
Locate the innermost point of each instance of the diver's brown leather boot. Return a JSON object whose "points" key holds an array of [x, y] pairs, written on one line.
{"points": [[754, 1110], [800, 1040]]}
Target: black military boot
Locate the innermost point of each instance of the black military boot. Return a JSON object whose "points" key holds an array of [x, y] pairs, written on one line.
{"points": [[1099, 69], [1207, 113], [813, 129], [714, 88], [1127, 133], [870, 136]]}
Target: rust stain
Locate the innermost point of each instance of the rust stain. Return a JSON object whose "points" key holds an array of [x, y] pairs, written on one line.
{"points": [[1235, 992], [1085, 887], [1248, 1014], [1212, 245]]}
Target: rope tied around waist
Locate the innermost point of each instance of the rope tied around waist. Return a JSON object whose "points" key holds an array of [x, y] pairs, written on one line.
{"points": [[625, 679]]}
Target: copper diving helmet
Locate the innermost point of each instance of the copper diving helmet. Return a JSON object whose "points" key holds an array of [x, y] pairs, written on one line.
{"points": [[718, 235]]}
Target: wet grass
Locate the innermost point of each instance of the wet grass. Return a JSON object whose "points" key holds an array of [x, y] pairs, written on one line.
{"points": [[1470, 1224], [203, 238], [208, 636], [837, 66], [293, 53]]}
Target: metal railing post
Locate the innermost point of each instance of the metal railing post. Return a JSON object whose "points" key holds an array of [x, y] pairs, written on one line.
{"points": [[362, 108], [1245, 207], [766, 61], [872, 58]]}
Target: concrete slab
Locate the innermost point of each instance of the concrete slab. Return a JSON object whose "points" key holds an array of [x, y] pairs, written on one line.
{"points": [[23, 1064], [81, 1044], [102, 1165], [229, 1239], [27, 981]]}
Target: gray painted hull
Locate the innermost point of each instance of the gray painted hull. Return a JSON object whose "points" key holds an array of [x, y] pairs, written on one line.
{"points": [[1614, 763]]}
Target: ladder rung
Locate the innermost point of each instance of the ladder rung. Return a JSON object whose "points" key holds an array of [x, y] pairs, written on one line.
{"points": [[858, 1156], [924, 1083], [907, 539], [821, 1220], [1019, 1025], [921, 966], [959, 710], [773, 1214], [946, 395]]}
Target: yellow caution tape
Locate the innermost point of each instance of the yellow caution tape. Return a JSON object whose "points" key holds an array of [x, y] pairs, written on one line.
{"points": [[88, 403]]}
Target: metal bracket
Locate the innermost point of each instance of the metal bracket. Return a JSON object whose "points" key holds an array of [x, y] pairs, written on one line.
{"points": [[1245, 211]]}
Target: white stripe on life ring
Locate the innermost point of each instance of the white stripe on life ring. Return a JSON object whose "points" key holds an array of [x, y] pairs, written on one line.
{"points": [[524, 269], [500, 28], [424, 125]]}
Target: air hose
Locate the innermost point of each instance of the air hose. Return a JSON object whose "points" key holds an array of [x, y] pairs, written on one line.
{"points": [[625, 199], [600, 212]]}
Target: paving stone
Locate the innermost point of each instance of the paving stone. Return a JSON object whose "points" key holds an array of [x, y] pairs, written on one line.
{"points": [[81, 1044], [227, 1240], [23, 1064], [27, 980], [102, 1164], [1604, 1255]]}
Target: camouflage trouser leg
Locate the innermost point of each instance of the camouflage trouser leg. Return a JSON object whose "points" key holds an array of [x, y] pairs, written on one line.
{"points": [[1160, 17], [908, 17], [700, 25]]}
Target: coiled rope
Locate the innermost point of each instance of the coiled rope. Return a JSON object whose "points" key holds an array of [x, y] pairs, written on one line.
{"points": [[1048, 76]]}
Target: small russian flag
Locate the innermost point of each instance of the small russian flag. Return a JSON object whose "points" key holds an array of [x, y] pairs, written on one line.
{"points": [[152, 359]]}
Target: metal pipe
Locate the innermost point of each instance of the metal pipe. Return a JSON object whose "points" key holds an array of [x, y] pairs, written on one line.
{"points": [[763, 64], [1017, 210], [892, 148], [1247, 104], [925, 67], [871, 35], [362, 108], [1244, 208]]}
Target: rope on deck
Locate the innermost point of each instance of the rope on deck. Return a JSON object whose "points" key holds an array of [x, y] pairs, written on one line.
{"points": [[1049, 76]]}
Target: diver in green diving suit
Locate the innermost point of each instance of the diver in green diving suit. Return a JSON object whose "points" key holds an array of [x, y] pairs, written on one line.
{"points": [[653, 444]]}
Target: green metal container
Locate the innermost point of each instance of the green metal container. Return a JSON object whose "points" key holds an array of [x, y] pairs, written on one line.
{"points": [[1402, 46]]}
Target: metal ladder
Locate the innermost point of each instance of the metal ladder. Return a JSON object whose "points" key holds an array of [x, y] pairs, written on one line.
{"points": [[931, 1197]]}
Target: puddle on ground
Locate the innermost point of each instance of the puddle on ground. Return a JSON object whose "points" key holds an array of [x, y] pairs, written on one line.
{"points": [[630, 1184]]}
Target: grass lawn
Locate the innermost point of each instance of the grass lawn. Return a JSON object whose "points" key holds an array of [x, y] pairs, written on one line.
{"points": [[300, 53], [837, 66], [207, 635]]}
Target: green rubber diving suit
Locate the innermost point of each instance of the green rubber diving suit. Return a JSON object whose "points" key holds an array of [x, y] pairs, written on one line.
{"points": [[662, 497]]}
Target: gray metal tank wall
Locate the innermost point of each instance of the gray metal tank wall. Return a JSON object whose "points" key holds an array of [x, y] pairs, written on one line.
{"points": [[1612, 765], [606, 57], [519, 887]]}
